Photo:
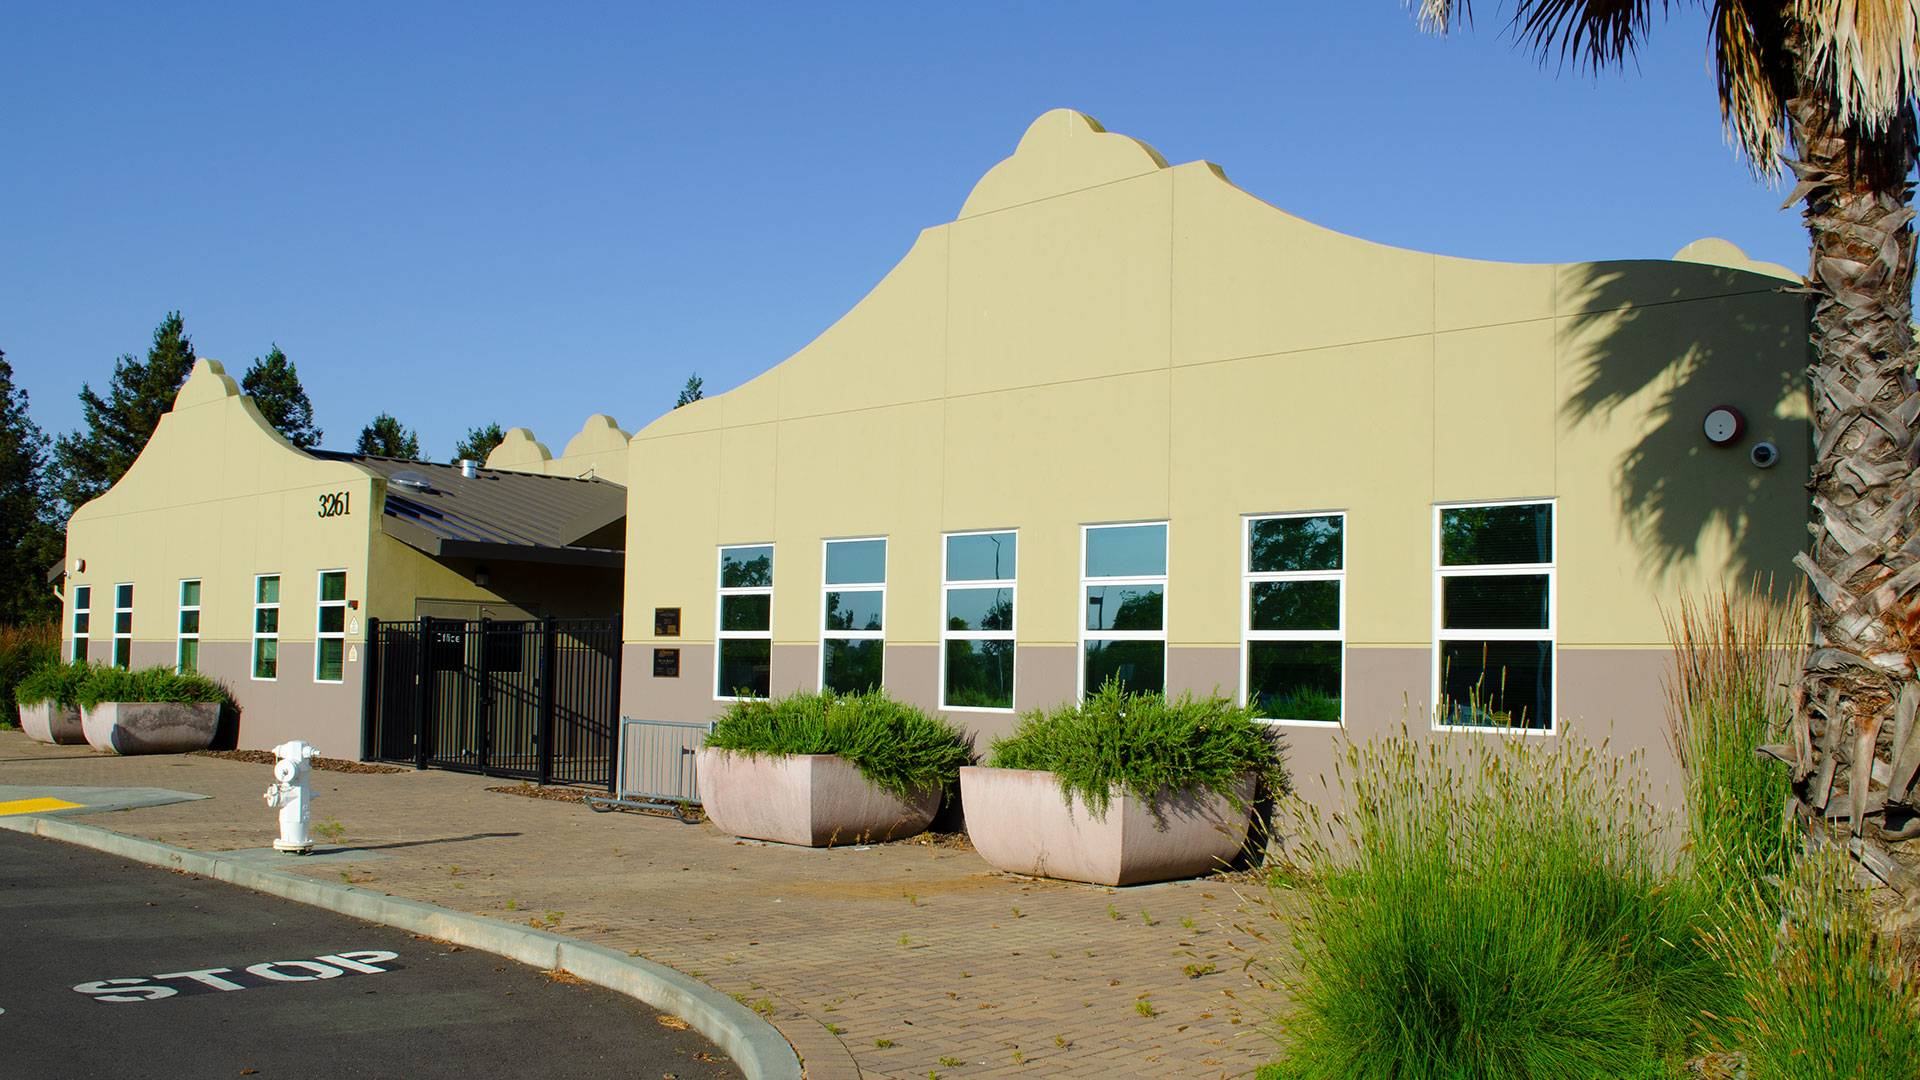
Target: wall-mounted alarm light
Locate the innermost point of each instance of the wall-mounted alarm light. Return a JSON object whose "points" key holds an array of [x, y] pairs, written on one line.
{"points": [[1724, 425], [1764, 455]]}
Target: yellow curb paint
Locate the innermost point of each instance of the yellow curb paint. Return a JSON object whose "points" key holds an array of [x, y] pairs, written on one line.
{"points": [[35, 806]]}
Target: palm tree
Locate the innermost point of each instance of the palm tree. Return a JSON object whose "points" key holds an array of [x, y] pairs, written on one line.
{"points": [[1825, 89]]}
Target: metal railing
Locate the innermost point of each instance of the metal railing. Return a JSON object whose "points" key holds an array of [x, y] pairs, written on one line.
{"points": [[656, 767]]}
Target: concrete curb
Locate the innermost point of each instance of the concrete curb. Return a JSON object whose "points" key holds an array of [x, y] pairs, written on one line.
{"points": [[756, 1045]]}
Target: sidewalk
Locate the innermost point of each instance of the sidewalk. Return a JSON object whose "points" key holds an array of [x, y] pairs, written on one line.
{"points": [[873, 963]]}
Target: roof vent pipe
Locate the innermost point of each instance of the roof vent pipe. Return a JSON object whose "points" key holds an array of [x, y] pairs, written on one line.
{"points": [[469, 468]]}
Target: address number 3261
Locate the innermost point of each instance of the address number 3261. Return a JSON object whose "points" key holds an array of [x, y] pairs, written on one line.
{"points": [[336, 504]]}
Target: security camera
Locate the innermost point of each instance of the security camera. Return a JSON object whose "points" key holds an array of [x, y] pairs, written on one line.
{"points": [[1764, 455]]}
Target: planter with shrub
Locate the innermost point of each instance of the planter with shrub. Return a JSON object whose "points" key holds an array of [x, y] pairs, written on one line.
{"points": [[151, 711], [49, 698], [818, 770], [1122, 789]]}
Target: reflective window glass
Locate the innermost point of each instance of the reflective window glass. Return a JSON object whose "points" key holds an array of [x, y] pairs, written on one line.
{"points": [[190, 621], [982, 557], [1287, 544], [189, 594], [333, 620], [122, 596], [1501, 602], [855, 609], [746, 567], [1496, 535], [979, 609], [851, 665], [746, 667], [979, 674], [1294, 605], [189, 655], [1140, 666], [268, 590], [750, 612], [1125, 607], [1294, 680], [333, 586], [857, 562], [1505, 684], [332, 660], [1127, 551]]}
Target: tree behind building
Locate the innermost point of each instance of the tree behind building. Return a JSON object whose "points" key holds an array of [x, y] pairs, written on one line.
{"points": [[29, 537], [89, 461], [479, 443], [690, 393], [274, 385], [386, 438]]}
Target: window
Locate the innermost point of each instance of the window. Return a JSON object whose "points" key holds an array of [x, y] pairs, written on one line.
{"points": [[82, 619], [1294, 621], [1124, 584], [123, 626], [1493, 615], [266, 626], [853, 637], [977, 603], [330, 628], [745, 638], [187, 651]]}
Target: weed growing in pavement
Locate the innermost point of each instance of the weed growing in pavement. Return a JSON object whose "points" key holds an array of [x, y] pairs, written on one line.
{"points": [[905, 941], [554, 917], [1114, 913], [1016, 913], [1194, 971], [459, 884], [1186, 922], [330, 829], [834, 1028], [1018, 1057], [950, 1062], [963, 975], [1148, 919], [912, 899], [453, 871], [696, 973], [1145, 1007], [1053, 954], [512, 904], [1060, 1041], [882, 1044], [763, 1006]]}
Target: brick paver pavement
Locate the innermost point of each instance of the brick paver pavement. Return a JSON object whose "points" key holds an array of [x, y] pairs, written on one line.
{"points": [[897, 958]]}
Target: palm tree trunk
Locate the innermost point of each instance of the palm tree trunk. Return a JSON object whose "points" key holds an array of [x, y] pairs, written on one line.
{"points": [[1855, 741]]}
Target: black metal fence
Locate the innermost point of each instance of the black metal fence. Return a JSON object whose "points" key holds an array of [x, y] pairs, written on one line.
{"points": [[537, 699]]}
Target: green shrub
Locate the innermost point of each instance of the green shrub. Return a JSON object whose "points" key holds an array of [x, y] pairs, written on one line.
{"points": [[1821, 993], [1488, 907], [159, 683], [1733, 659], [53, 681], [1144, 745], [896, 746], [23, 650]]}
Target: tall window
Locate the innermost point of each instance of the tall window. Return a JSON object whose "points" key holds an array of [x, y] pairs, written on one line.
{"points": [[123, 625], [82, 619], [977, 638], [744, 666], [1493, 615], [266, 626], [854, 600], [1295, 616], [187, 652], [330, 628], [1124, 584]]}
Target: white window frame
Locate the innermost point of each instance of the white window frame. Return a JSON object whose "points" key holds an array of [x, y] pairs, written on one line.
{"points": [[948, 583], [1080, 599], [1550, 635], [82, 605], [886, 569], [253, 656], [181, 637], [319, 606], [721, 592], [118, 634], [1248, 635]]}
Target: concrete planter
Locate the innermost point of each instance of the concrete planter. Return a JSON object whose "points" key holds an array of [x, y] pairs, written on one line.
{"points": [[813, 800], [151, 727], [52, 722], [1019, 822]]}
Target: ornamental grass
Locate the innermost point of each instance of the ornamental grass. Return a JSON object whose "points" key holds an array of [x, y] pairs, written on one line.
{"points": [[155, 684], [896, 746], [23, 651], [1145, 745]]}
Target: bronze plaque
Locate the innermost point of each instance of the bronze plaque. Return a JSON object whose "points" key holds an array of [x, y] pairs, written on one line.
{"points": [[666, 622], [666, 663]]}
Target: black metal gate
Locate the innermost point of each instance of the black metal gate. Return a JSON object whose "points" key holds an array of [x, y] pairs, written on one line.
{"points": [[537, 699]]}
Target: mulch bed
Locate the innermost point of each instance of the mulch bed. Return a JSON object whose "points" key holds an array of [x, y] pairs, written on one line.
{"points": [[324, 764]]}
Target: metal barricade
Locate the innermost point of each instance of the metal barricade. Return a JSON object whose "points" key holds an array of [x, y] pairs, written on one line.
{"points": [[656, 767]]}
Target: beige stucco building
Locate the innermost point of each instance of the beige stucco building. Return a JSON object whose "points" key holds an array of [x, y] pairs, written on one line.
{"points": [[227, 550], [1121, 418]]}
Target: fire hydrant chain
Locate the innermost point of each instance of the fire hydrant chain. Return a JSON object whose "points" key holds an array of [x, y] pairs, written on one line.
{"points": [[292, 794]]}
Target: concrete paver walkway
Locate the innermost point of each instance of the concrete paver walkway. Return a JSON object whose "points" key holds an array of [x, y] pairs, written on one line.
{"points": [[892, 961]]}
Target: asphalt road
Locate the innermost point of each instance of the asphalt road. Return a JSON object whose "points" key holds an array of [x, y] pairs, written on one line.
{"points": [[118, 970]]}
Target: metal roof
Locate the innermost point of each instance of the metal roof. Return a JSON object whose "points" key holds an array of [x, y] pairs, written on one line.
{"points": [[525, 517]]}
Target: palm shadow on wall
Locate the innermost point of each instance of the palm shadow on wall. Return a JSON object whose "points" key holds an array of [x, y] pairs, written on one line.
{"points": [[1656, 346]]}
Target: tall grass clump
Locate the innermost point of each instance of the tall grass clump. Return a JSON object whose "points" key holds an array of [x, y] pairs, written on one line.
{"points": [[53, 681], [1145, 745], [23, 650], [1496, 908], [158, 683], [1734, 657], [895, 746]]}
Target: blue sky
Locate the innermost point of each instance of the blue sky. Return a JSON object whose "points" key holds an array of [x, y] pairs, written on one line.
{"points": [[462, 213]]}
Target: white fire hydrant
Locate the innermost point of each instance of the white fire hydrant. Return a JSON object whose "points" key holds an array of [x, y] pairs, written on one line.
{"points": [[292, 794]]}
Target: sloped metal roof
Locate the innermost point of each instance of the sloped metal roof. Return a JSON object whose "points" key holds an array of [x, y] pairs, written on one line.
{"points": [[498, 514]]}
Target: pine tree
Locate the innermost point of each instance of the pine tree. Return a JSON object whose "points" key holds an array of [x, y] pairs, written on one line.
{"points": [[29, 540], [479, 443], [386, 438], [691, 392], [274, 385], [90, 461]]}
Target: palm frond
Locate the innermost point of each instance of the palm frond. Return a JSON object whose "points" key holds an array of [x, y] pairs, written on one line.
{"points": [[1439, 16], [1755, 73], [1591, 33], [1866, 54]]}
